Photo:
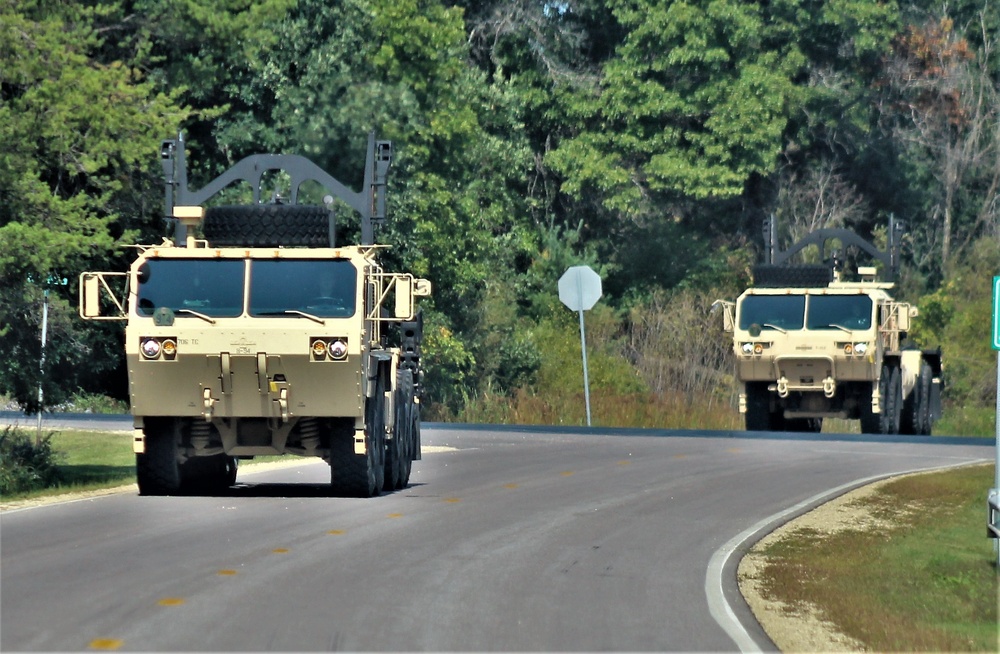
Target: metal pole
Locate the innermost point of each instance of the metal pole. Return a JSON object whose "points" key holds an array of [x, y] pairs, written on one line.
{"points": [[41, 365], [996, 461], [586, 381]]}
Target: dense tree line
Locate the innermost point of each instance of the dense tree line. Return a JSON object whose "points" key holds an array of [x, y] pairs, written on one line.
{"points": [[647, 138]]}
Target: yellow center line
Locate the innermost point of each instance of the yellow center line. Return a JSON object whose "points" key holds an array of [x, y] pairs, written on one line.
{"points": [[106, 643], [171, 601]]}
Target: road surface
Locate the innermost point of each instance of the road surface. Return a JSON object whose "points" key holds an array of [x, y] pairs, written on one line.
{"points": [[513, 540]]}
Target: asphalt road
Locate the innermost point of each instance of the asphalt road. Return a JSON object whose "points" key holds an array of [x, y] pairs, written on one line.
{"points": [[514, 540]]}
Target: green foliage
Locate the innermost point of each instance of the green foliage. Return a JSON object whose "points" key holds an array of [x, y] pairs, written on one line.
{"points": [[25, 465], [958, 317], [76, 133], [561, 370], [645, 138]]}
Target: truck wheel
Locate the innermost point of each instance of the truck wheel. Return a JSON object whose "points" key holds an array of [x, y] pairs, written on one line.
{"points": [[398, 449], [413, 444], [208, 474], [892, 401], [268, 225], [813, 425], [157, 470], [758, 416], [915, 406], [870, 421], [924, 382], [393, 473], [362, 475]]}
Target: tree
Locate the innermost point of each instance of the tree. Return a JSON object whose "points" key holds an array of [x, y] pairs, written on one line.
{"points": [[76, 137], [944, 104]]}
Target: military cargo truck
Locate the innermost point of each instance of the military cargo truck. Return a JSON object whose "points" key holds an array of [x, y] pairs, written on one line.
{"points": [[811, 344], [264, 336]]}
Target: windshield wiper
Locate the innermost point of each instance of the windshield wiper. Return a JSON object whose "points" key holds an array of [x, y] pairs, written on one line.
{"points": [[767, 324], [836, 326], [196, 314], [293, 312]]}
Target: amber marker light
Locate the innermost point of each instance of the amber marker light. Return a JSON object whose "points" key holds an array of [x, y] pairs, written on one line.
{"points": [[319, 349], [169, 348]]}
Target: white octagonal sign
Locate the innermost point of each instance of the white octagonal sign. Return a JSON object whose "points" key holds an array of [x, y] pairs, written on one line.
{"points": [[580, 288]]}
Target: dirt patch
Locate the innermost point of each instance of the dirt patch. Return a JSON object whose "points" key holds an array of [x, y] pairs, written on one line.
{"points": [[800, 627]]}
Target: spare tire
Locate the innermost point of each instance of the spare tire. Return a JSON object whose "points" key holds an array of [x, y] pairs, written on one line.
{"points": [[268, 225], [793, 276]]}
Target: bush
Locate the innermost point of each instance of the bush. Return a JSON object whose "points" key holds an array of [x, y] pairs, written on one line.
{"points": [[24, 464]]}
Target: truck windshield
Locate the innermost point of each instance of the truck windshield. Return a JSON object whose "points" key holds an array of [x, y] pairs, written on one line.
{"points": [[318, 287], [839, 312], [210, 287], [781, 312]]}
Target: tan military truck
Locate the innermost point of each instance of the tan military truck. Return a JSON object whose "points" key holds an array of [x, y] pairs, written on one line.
{"points": [[266, 337], [810, 344]]}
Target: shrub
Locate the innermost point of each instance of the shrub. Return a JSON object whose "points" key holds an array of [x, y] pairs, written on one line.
{"points": [[24, 464]]}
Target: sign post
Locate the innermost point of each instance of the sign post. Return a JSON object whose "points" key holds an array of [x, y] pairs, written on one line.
{"points": [[580, 289], [993, 499]]}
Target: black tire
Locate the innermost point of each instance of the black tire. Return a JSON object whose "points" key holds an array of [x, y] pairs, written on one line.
{"points": [[892, 401], [758, 415], [812, 425], [208, 474], [871, 422], [913, 406], [924, 421], [795, 276], [362, 475], [232, 465], [268, 225], [158, 471], [403, 435], [412, 445], [394, 453]]}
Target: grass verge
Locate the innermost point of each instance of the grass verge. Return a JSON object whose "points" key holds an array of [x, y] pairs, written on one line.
{"points": [[915, 572], [90, 461]]}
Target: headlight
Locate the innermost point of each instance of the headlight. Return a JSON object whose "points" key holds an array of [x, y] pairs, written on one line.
{"points": [[748, 348], [150, 348], [860, 348], [338, 350]]}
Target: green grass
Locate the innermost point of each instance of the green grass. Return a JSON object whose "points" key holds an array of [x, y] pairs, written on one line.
{"points": [[87, 460], [927, 583], [92, 460]]}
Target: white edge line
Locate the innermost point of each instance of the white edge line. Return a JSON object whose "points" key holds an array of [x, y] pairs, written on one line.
{"points": [[719, 607]]}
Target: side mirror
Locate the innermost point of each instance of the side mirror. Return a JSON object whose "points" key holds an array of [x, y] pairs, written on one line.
{"points": [[103, 289], [90, 291], [404, 298]]}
